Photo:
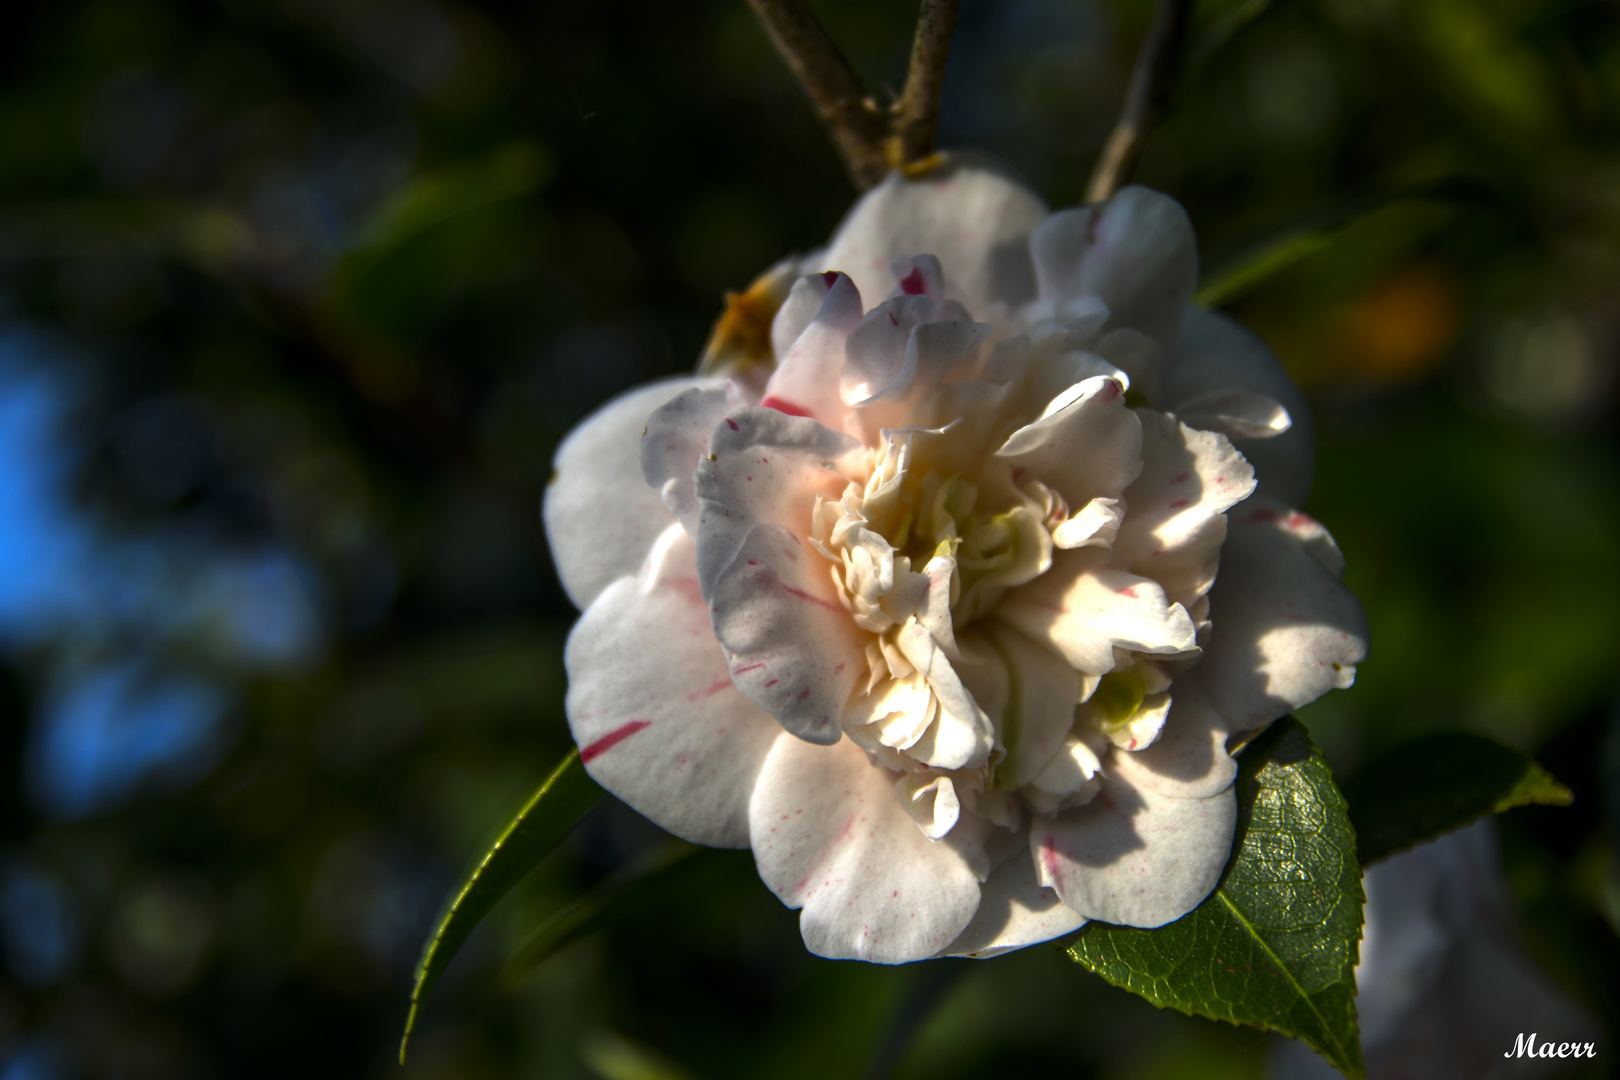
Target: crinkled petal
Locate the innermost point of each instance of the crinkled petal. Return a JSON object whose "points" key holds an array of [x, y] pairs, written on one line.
{"points": [[764, 466], [805, 382], [1188, 759], [1214, 354], [1136, 252], [1286, 631], [1177, 520], [601, 518], [961, 736], [676, 439], [968, 212], [829, 836], [1134, 857], [1085, 607], [1015, 911], [1086, 445], [653, 708], [793, 648]]}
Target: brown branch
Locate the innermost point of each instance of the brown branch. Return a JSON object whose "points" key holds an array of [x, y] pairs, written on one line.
{"points": [[1153, 85], [858, 129], [916, 114]]}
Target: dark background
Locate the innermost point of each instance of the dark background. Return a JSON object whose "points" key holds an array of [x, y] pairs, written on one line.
{"points": [[297, 298]]}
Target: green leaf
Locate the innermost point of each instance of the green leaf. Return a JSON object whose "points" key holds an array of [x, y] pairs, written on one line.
{"points": [[1275, 944], [643, 885], [1436, 784], [1256, 261], [545, 819]]}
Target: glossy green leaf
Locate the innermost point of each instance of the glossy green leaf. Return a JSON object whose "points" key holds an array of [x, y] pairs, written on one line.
{"points": [[1275, 945], [1439, 783], [630, 891], [545, 819]]}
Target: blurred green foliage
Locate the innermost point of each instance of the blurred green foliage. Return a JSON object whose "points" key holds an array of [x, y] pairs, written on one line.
{"points": [[321, 285]]}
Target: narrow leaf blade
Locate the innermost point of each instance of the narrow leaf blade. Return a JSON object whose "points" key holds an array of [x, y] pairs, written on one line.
{"points": [[640, 886], [1439, 783], [543, 821], [1275, 945]]}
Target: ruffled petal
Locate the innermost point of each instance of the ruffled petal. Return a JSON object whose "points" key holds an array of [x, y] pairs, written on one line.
{"points": [[1015, 911], [1136, 252], [763, 467], [653, 708], [1188, 760], [1177, 520], [1286, 631], [829, 836], [1134, 857], [793, 648], [1085, 607], [1215, 354], [601, 518], [968, 212], [1086, 445], [805, 382]]}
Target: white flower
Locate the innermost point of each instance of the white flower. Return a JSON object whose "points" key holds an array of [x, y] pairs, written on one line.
{"points": [[926, 613]]}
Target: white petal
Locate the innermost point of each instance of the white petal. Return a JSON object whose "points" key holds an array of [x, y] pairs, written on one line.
{"points": [[1176, 523], [802, 305], [1286, 631], [1136, 252], [793, 648], [931, 801], [805, 382], [1134, 857], [1015, 911], [1085, 607], [1031, 691], [1188, 759], [1214, 354], [830, 837], [969, 213], [961, 736], [879, 361], [601, 517], [676, 439], [653, 708], [1095, 524], [1237, 414], [1087, 445], [763, 467]]}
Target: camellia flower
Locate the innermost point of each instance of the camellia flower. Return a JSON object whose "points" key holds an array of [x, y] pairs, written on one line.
{"points": [[951, 604]]}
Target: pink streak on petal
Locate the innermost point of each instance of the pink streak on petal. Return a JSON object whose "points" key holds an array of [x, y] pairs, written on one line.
{"points": [[710, 691], [774, 402], [750, 667], [610, 740], [802, 595], [1179, 503]]}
